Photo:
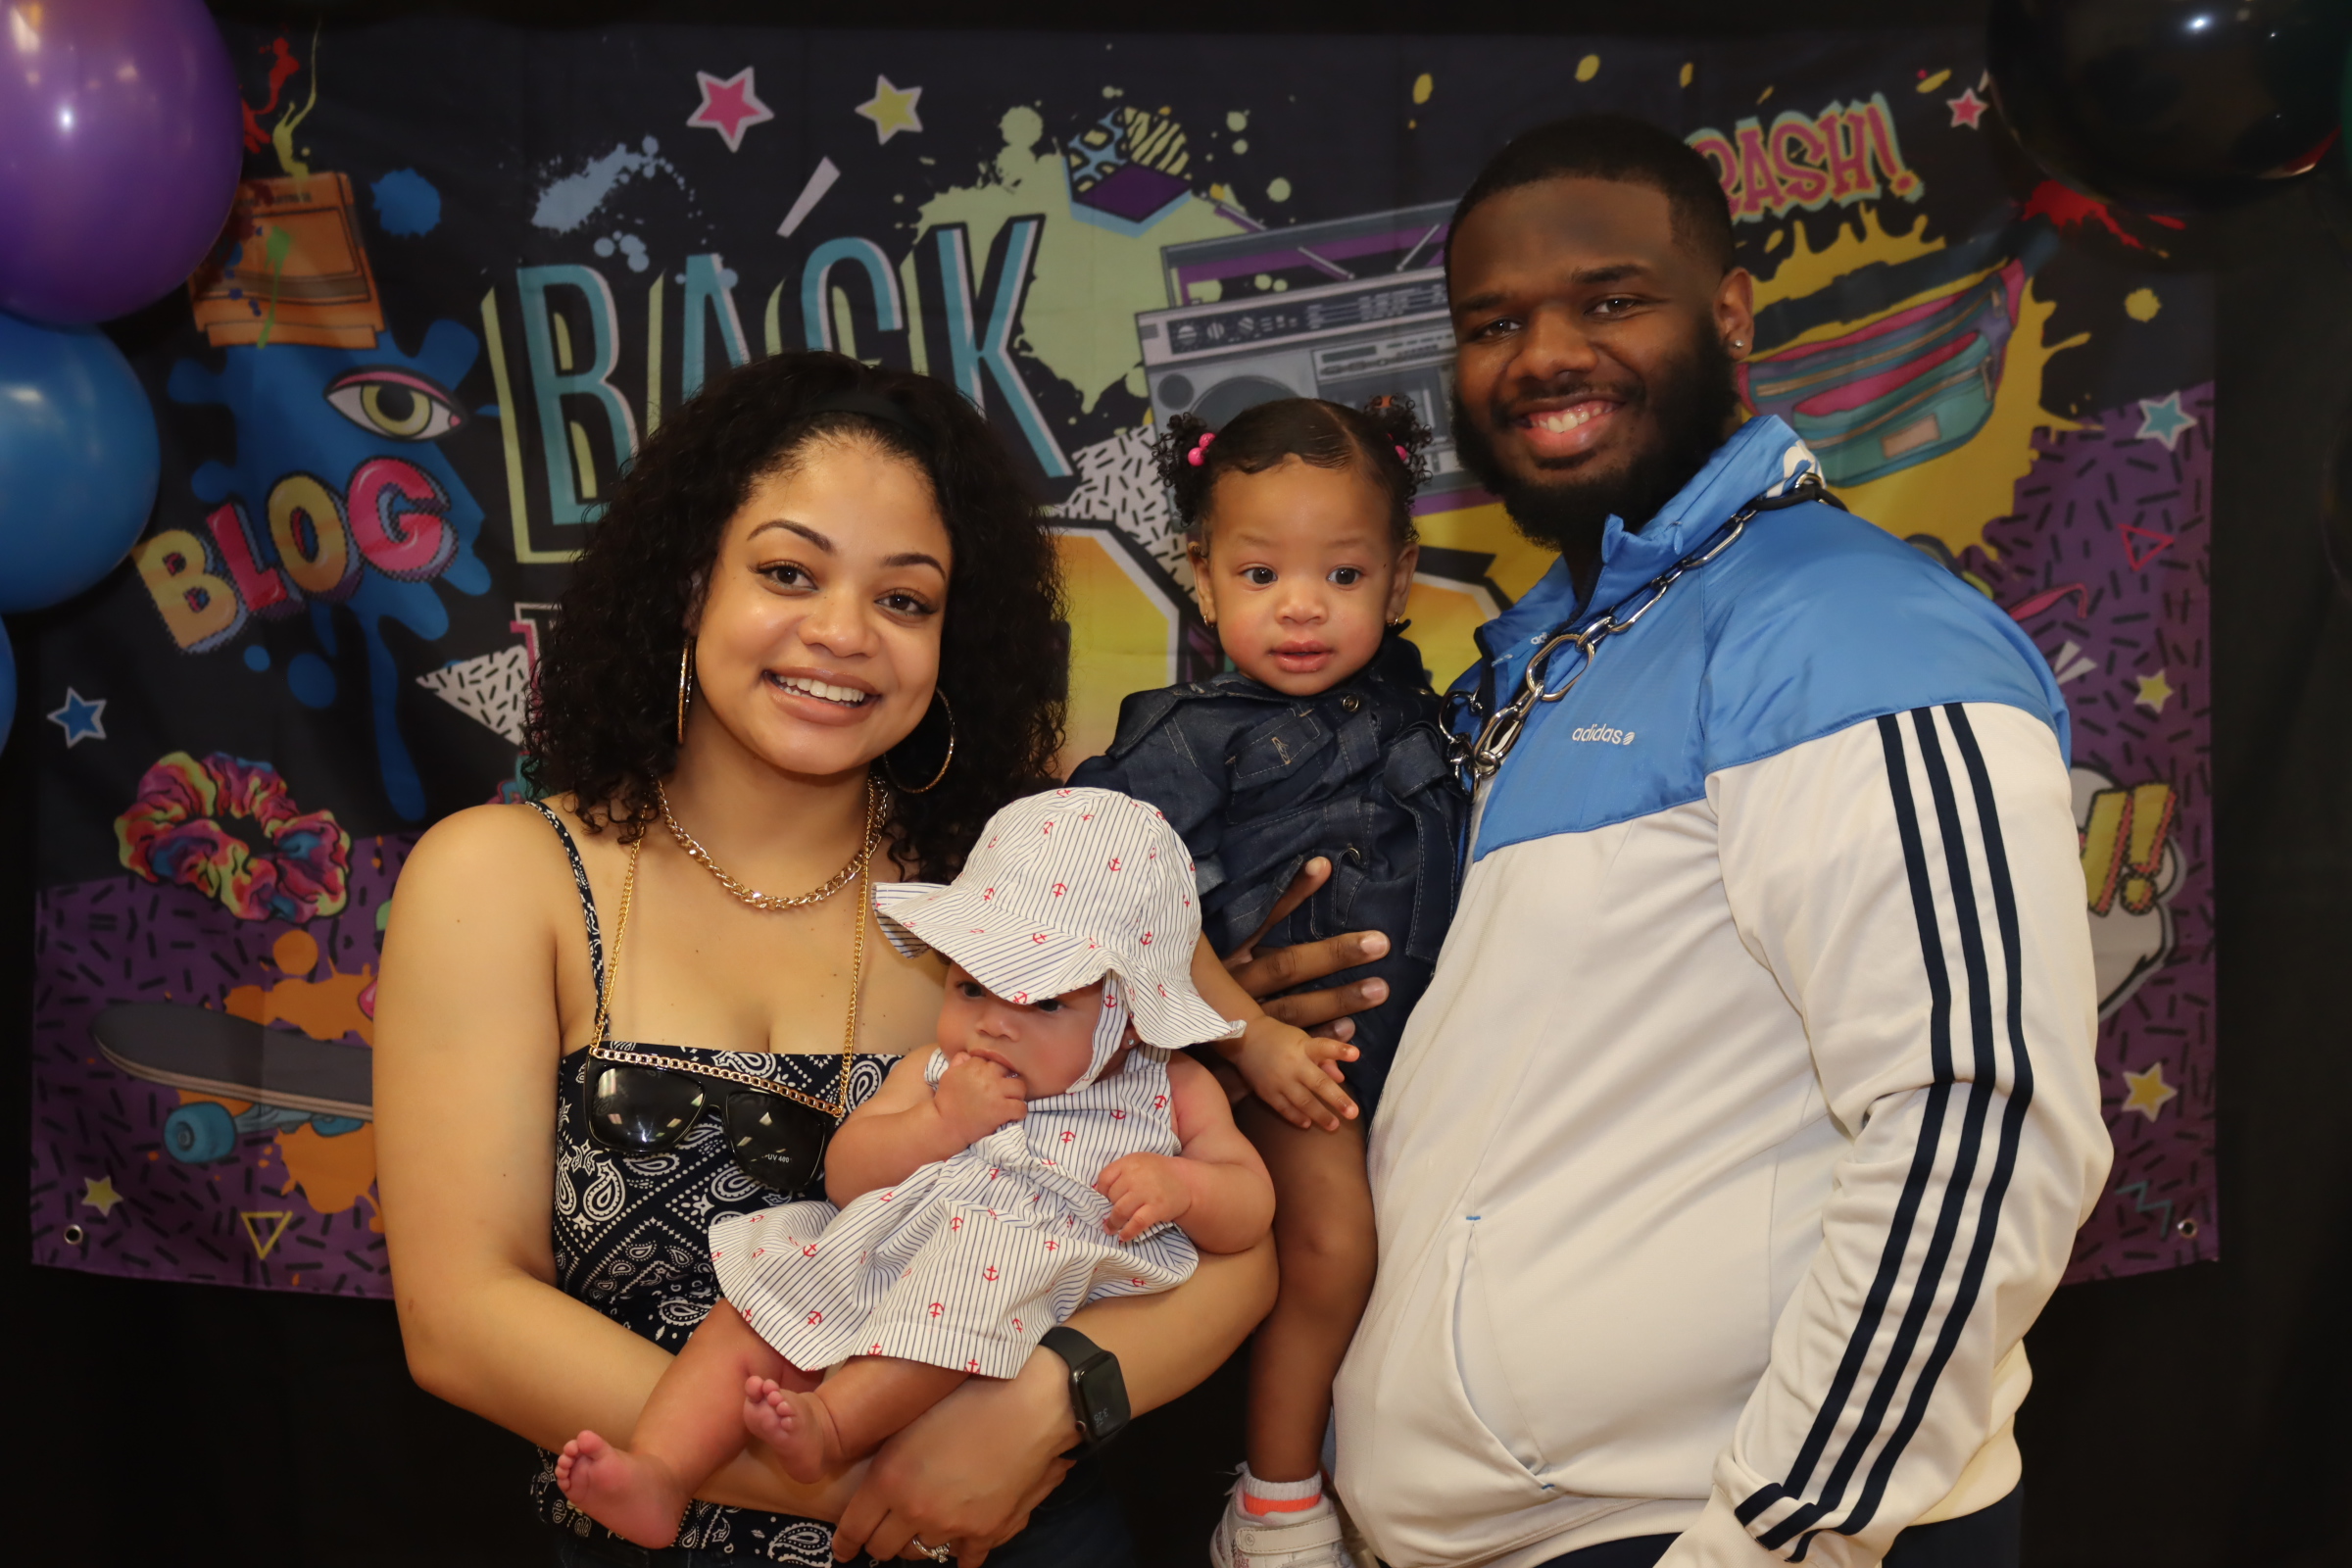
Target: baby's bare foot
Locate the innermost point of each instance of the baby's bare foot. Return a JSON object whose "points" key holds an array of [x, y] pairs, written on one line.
{"points": [[635, 1498], [797, 1425]]}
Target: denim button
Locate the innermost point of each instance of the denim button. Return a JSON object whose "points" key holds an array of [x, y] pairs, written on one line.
{"points": [[1351, 703]]}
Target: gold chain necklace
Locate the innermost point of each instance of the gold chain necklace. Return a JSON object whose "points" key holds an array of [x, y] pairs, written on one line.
{"points": [[604, 1050], [774, 901]]}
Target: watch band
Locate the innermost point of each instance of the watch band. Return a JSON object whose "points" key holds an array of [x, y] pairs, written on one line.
{"points": [[1098, 1389]]}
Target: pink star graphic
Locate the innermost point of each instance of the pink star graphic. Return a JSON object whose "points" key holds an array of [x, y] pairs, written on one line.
{"points": [[1967, 108], [730, 106]]}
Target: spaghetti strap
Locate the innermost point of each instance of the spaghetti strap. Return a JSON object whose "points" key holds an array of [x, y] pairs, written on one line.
{"points": [[579, 878]]}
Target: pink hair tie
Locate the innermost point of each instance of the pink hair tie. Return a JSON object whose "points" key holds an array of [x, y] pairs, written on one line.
{"points": [[1404, 457], [1199, 447]]}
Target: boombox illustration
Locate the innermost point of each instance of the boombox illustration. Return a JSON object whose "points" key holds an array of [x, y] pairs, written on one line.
{"points": [[1345, 310]]}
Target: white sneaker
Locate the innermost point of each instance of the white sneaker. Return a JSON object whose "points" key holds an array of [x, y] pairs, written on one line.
{"points": [[1305, 1537]]}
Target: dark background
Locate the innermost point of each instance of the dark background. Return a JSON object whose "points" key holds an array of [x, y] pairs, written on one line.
{"points": [[2188, 1419]]}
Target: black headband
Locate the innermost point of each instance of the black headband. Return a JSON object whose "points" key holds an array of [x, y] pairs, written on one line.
{"points": [[873, 406]]}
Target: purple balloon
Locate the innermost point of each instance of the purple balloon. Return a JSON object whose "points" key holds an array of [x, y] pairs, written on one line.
{"points": [[120, 143]]}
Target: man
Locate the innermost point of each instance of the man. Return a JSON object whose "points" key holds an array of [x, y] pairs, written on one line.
{"points": [[1750, 1117]]}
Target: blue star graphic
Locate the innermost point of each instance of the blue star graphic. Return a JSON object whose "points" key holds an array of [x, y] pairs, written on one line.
{"points": [[81, 718], [2162, 420]]}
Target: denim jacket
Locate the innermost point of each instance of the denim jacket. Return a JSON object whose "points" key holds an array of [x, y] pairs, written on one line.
{"points": [[1257, 783]]}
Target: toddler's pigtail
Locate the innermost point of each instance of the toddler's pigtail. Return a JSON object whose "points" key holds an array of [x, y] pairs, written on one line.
{"points": [[1181, 455], [1402, 436]]}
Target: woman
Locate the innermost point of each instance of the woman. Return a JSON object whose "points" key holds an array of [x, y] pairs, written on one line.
{"points": [[816, 641]]}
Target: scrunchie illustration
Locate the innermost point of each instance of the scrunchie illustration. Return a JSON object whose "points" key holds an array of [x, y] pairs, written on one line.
{"points": [[177, 832]]}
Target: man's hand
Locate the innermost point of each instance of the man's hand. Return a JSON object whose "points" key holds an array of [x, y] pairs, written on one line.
{"points": [[1144, 1191], [976, 1097], [1296, 1075], [1324, 1012]]}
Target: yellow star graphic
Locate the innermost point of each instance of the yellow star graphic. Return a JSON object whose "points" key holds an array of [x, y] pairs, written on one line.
{"points": [[2150, 1092], [2154, 692], [892, 109], [100, 1194]]}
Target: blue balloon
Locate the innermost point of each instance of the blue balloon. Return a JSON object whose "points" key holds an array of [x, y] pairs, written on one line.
{"points": [[78, 461]]}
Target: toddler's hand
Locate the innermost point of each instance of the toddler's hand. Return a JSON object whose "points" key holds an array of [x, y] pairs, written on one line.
{"points": [[1144, 1190], [1296, 1074], [976, 1097]]}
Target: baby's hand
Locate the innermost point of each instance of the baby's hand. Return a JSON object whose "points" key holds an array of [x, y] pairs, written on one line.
{"points": [[1296, 1074], [1144, 1190], [976, 1097]]}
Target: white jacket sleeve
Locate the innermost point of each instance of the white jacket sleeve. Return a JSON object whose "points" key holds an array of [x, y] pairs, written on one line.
{"points": [[1914, 884]]}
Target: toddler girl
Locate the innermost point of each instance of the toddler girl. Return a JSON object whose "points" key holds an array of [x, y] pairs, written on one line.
{"points": [[1321, 742], [1039, 1157]]}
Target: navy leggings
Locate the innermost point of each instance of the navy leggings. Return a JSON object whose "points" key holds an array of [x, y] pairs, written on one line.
{"points": [[1986, 1539]]}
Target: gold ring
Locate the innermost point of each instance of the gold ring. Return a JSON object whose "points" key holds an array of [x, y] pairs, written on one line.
{"points": [[935, 1553]]}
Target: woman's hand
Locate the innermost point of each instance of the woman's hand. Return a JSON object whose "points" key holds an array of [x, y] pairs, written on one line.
{"points": [[1323, 1013], [968, 1471]]}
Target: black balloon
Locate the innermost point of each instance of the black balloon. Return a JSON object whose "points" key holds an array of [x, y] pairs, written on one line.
{"points": [[2171, 105]]}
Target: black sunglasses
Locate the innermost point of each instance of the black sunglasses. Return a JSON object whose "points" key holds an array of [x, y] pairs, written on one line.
{"points": [[634, 1109]]}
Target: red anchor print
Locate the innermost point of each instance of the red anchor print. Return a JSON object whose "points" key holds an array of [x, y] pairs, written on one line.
{"points": [[987, 894], [810, 1250], [1017, 1325], [1045, 831], [1147, 939], [971, 1366], [1039, 938], [989, 1273], [995, 1171], [1062, 795], [877, 1349], [1137, 1282], [1021, 997], [937, 1308], [1068, 1136], [758, 1251], [954, 1222], [1118, 1116], [1052, 1245], [887, 1197], [814, 1318], [1115, 862], [1060, 888], [1159, 1102]]}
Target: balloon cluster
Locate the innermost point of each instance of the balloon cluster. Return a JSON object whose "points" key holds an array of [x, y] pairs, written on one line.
{"points": [[121, 144], [2170, 106]]}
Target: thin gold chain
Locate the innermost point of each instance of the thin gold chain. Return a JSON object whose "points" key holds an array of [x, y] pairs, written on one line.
{"points": [[839, 1107], [776, 901]]}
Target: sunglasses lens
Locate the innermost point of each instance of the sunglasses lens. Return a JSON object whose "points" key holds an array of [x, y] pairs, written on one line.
{"points": [[639, 1110], [779, 1142]]}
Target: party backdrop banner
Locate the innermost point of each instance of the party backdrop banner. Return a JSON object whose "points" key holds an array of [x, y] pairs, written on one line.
{"points": [[471, 271]]}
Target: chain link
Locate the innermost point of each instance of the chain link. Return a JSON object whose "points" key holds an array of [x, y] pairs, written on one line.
{"points": [[839, 1107], [775, 901]]}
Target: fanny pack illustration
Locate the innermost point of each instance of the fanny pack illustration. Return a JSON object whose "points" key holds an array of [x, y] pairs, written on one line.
{"points": [[1909, 386]]}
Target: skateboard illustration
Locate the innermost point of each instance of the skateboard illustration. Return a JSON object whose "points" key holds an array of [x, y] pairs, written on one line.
{"points": [[290, 1078]]}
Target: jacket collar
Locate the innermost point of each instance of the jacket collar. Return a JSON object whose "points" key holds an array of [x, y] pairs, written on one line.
{"points": [[1761, 458]]}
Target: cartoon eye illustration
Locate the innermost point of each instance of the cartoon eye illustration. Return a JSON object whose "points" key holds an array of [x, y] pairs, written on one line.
{"points": [[398, 404]]}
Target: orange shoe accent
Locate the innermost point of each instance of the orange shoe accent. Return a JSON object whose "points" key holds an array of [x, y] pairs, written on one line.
{"points": [[1262, 1507]]}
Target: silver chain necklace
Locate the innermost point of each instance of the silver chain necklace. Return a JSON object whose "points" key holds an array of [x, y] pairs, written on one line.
{"points": [[1478, 761]]}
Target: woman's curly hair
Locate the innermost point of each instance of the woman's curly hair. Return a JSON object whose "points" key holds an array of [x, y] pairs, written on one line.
{"points": [[603, 728], [1384, 436]]}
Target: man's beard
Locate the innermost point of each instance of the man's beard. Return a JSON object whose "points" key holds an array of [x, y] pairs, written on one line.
{"points": [[1694, 405]]}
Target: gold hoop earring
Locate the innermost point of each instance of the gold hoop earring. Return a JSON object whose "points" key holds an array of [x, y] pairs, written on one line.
{"points": [[685, 685], [901, 785]]}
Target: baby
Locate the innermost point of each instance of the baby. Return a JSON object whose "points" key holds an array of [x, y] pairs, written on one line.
{"points": [[1321, 742], [1052, 1150]]}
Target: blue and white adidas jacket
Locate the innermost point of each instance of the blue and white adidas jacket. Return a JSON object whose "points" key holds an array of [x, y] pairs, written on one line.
{"points": [[1748, 1120]]}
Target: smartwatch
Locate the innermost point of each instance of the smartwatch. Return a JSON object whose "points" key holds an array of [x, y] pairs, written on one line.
{"points": [[1098, 1391]]}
